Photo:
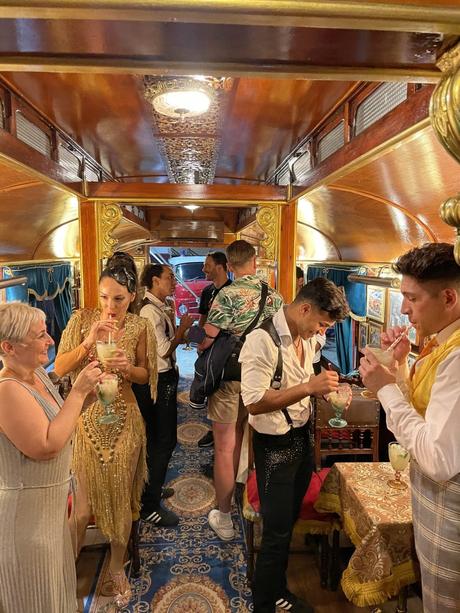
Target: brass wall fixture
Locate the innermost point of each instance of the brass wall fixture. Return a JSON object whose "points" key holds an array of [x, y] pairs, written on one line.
{"points": [[393, 282], [445, 117]]}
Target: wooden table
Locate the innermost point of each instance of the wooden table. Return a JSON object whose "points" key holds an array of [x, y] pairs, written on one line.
{"points": [[378, 520]]}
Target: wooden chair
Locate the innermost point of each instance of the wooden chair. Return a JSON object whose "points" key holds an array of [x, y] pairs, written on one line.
{"points": [[360, 437], [309, 522]]}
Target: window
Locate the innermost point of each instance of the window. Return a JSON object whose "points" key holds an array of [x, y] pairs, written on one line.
{"points": [[69, 161], [91, 174], [283, 177], [302, 166], [382, 100], [32, 135], [190, 271], [331, 142]]}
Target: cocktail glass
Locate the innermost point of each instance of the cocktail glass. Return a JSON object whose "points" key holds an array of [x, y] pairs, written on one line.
{"points": [[399, 459], [107, 391], [105, 350], [386, 358], [340, 401]]}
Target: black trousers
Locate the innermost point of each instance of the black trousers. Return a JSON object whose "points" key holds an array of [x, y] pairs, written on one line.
{"points": [[161, 430], [284, 466]]}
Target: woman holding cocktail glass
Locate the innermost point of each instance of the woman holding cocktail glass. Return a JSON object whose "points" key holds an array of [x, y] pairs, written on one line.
{"points": [[109, 452]]}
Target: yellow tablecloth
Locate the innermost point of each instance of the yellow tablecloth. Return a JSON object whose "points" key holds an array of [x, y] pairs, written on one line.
{"points": [[378, 520]]}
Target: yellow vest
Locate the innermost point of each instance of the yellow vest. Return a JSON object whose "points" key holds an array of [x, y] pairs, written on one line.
{"points": [[421, 383]]}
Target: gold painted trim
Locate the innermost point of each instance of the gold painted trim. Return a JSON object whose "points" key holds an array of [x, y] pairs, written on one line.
{"points": [[108, 218], [144, 66], [33, 262], [180, 201], [377, 198], [280, 13], [268, 217], [19, 186], [368, 157]]}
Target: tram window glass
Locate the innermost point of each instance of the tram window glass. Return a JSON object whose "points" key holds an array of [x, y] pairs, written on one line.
{"points": [[379, 103], [189, 271], [331, 142], [32, 135]]}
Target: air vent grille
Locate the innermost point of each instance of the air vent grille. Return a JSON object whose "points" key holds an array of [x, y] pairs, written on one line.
{"points": [[332, 142], [32, 135], [384, 99], [91, 175], [69, 161], [283, 177], [302, 167]]}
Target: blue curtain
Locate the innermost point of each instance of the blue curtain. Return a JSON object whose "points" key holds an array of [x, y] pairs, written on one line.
{"points": [[356, 297], [48, 288]]}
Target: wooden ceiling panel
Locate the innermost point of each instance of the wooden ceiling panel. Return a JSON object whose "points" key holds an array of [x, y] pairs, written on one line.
{"points": [[360, 228], [418, 175]]}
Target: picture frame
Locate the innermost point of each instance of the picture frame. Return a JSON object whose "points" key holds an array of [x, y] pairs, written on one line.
{"points": [[411, 359], [373, 337], [375, 303], [363, 332], [395, 317]]}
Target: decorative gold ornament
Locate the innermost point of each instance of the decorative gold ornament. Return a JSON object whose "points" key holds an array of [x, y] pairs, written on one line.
{"points": [[445, 103], [268, 219], [450, 214], [188, 139], [108, 218]]}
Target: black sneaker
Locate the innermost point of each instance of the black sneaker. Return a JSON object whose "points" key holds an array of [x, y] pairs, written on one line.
{"points": [[207, 440], [160, 517], [167, 492], [293, 604]]}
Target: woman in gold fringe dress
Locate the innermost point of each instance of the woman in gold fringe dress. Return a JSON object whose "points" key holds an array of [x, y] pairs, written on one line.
{"points": [[109, 459]]}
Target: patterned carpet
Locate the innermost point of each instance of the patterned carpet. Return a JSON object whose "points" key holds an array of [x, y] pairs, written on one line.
{"points": [[187, 569]]}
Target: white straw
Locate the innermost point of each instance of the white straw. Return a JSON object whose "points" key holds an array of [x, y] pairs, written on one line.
{"points": [[400, 337]]}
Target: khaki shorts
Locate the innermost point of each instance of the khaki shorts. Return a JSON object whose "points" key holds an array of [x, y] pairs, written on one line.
{"points": [[225, 405]]}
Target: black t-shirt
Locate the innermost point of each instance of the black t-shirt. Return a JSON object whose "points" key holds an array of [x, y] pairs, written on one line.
{"points": [[208, 295]]}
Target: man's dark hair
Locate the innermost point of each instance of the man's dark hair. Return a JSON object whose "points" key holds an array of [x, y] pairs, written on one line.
{"points": [[219, 258], [431, 262], [299, 273], [150, 271], [326, 296]]}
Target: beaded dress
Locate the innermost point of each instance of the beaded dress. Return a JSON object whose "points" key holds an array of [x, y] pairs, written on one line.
{"points": [[104, 453]]}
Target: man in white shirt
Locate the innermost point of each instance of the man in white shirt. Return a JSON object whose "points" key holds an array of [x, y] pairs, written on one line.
{"points": [[279, 418], [160, 418], [427, 422]]}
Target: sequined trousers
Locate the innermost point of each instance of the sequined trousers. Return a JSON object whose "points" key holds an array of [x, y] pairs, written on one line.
{"points": [[284, 466]]}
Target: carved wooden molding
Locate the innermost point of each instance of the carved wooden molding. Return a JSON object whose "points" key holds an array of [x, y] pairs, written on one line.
{"points": [[268, 219], [109, 216]]}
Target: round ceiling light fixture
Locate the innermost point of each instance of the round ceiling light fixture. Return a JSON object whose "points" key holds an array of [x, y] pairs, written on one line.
{"points": [[179, 98]]}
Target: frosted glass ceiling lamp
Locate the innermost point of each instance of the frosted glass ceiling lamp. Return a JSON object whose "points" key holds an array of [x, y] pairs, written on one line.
{"points": [[180, 98]]}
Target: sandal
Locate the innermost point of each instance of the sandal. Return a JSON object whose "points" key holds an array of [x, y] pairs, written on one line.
{"points": [[122, 593]]}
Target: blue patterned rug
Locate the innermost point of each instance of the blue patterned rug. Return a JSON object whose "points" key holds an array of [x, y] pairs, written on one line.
{"points": [[187, 569]]}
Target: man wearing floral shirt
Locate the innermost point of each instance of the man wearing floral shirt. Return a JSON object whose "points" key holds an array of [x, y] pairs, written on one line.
{"points": [[233, 309]]}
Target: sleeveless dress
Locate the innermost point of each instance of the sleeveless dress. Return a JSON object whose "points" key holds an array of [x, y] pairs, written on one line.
{"points": [[104, 453], [37, 567]]}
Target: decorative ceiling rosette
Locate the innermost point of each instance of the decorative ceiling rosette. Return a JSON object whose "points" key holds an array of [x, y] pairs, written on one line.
{"points": [[188, 114]]}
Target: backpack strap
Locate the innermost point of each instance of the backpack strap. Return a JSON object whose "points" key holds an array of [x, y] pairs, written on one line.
{"points": [[268, 326], [262, 302]]}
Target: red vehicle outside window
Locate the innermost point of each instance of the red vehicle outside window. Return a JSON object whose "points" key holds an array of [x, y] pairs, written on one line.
{"points": [[191, 281]]}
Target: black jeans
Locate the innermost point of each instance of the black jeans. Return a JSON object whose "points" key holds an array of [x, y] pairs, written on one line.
{"points": [[284, 466], [161, 430]]}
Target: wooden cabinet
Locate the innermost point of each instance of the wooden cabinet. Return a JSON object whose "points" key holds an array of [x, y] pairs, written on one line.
{"points": [[360, 437]]}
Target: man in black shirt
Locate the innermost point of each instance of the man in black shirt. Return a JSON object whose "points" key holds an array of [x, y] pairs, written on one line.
{"points": [[215, 269]]}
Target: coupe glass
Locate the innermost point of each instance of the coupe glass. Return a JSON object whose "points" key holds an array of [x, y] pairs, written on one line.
{"points": [[339, 401], [399, 459], [107, 390], [105, 350]]}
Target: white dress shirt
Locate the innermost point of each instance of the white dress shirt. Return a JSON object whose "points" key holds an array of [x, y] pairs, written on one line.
{"points": [[258, 358], [156, 313], [433, 441]]}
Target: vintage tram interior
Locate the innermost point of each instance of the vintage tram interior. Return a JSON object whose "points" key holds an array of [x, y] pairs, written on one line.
{"points": [[331, 141]]}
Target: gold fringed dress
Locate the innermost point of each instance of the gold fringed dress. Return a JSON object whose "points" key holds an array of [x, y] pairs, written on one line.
{"points": [[107, 455]]}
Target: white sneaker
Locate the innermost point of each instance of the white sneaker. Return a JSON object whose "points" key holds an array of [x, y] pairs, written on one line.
{"points": [[222, 528]]}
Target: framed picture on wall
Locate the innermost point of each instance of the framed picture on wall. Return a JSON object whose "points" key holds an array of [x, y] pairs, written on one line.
{"points": [[376, 303], [395, 317], [411, 359], [373, 338], [363, 332]]}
